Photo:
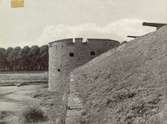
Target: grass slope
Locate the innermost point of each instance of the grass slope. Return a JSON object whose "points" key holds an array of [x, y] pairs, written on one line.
{"points": [[126, 85]]}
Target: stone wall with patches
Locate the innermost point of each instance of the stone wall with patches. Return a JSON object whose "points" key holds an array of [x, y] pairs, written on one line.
{"points": [[67, 54]]}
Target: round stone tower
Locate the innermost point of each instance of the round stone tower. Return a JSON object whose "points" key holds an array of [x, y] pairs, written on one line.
{"points": [[67, 54]]}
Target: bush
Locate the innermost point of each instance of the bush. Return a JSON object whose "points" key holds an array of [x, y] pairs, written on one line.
{"points": [[3, 114], [32, 114]]}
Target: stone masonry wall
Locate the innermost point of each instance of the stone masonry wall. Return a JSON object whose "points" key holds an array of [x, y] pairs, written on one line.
{"points": [[66, 55]]}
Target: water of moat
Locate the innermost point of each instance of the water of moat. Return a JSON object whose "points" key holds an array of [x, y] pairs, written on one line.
{"points": [[13, 98]]}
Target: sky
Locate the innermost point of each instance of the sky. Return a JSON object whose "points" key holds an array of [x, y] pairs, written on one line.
{"points": [[42, 21]]}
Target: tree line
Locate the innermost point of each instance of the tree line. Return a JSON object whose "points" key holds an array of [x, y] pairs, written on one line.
{"points": [[32, 58]]}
